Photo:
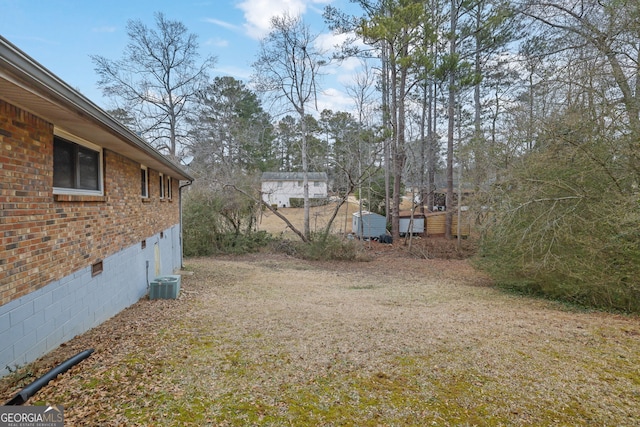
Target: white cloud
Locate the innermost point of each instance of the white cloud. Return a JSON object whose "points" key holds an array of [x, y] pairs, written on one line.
{"points": [[217, 42], [335, 100], [344, 71], [237, 72], [329, 42], [222, 24], [258, 13], [351, 64], [347, 65]]}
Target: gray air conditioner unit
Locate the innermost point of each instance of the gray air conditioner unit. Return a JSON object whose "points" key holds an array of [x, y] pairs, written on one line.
{"points": [[165, 287]]}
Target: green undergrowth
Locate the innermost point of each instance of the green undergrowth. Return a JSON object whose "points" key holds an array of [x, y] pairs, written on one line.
{"points": [[320, 248], [411, 392], [165, 408]]}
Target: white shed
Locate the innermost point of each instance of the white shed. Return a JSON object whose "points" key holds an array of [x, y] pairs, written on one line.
{"points": [[368, 225]]}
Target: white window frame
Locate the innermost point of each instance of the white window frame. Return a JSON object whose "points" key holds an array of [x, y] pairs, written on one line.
{"points": [[146, 181], [169, 192], [161, 184], [77, 140]]}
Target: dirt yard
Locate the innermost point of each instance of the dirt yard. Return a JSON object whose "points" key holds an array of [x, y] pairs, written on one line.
{"points": [[272, 340], [318, 219]]}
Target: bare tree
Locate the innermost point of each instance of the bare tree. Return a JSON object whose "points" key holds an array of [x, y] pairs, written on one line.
{"points": [[612, 29], [362, 92], [287, 66], [564, 207], [156, 80]]}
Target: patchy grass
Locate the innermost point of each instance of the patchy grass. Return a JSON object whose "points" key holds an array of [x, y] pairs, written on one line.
{"points": [[271, 340]]}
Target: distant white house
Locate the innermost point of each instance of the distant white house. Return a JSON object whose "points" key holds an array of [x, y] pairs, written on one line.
{"points": [[278, 188]]}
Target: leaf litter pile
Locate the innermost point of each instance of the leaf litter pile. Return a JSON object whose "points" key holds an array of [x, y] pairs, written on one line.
{"points": [[272, 340]]}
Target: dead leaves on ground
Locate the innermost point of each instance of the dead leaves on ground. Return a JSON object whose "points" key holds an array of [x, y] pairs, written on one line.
{"points": [[265, 339]]}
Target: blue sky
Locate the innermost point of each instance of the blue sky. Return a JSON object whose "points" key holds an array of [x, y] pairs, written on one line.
{"points": [[62, 34]]}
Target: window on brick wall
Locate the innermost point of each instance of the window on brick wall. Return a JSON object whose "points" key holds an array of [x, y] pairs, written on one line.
{"points": [[144, 181], [77, 168], [169, 192], [161, 185]]}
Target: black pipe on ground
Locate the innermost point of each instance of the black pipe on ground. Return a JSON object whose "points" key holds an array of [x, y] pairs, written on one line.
{"points": [[35, 386]]}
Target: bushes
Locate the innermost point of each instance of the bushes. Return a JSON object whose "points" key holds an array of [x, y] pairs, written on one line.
{"points": [[211, 227], [321, 248], [331, 247], [199, 226], [216, 222], [231, 243], [298, 202], [565, 225]]}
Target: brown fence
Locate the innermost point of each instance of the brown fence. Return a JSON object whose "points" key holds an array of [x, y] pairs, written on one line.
{"points": [[435, 224]]}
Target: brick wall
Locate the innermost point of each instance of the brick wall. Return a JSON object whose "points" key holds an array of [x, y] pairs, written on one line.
{"points": [[43, 237]]}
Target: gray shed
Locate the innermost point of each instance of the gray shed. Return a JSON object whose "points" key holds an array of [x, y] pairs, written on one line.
{"points": [[369, 225], [417, 227]]}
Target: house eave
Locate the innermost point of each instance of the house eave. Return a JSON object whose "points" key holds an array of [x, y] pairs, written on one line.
{"points": [[31, 87]]}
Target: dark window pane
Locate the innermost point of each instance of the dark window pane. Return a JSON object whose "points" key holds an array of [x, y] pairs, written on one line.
{"points": [[63, 164], [75, 166], [88, 168], [143, 182]]}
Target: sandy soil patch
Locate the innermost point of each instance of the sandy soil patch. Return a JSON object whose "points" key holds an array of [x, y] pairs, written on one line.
{"points": [[318, 219]]}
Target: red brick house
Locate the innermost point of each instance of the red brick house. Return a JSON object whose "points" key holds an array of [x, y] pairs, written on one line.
{"points": [[89, 212]]}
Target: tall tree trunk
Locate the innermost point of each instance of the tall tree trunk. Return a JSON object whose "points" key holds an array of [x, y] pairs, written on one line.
{"points": [[399, 155], [386, 121], [451, 105], [432, 151], [423, 144], [479, 147], [477, 118], [431, 134], [305, 175], [393, 91]]}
